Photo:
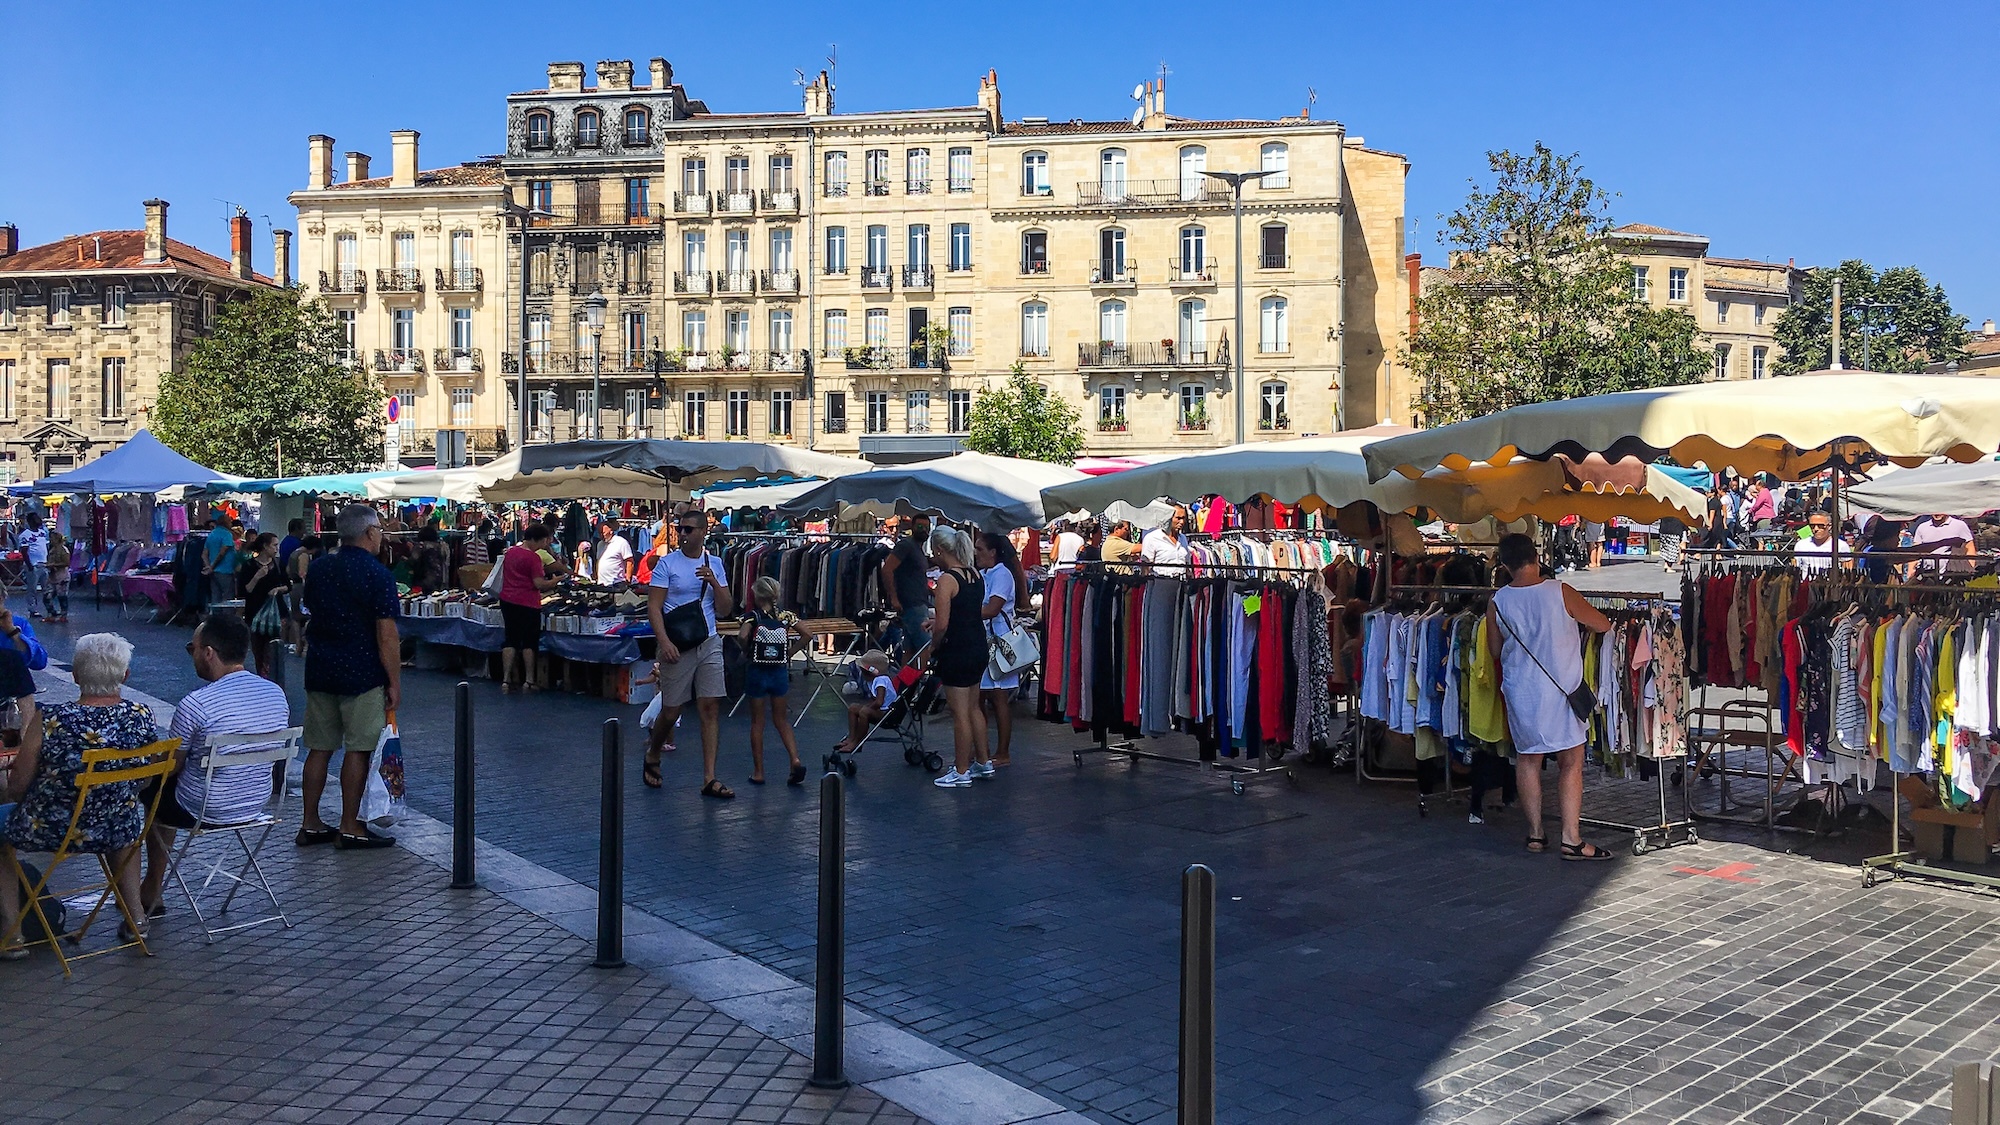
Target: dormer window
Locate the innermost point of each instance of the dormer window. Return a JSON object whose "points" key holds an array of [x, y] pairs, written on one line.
{"points": [[637, 128], [541, 130], [589, 126]]}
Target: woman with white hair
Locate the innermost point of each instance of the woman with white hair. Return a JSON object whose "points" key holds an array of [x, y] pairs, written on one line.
{"points": [[957, 652], [114, 816]]}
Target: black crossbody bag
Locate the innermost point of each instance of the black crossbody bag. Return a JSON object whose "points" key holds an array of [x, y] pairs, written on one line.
{"points": [[1582, 700]]}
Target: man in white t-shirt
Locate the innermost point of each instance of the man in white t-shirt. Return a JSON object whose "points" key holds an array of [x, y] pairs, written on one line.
{"points": [[681, 577], [1067, 544], [1167, 546], [1815, 552], [1952, 536], [614, 554]]}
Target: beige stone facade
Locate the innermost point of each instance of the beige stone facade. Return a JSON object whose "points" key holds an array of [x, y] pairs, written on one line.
{"points": [[852, 281], [1736, 301], [89, 323], [415, 266]]}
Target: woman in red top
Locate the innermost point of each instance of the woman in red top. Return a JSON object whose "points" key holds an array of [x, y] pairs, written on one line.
{"points": [[522, 580]]}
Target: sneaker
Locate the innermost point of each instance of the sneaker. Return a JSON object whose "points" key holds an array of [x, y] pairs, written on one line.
{"points": [[953, 779], [981, 769], [1474, 818]]}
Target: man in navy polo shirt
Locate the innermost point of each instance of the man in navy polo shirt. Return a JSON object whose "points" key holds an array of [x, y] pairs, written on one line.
{"points": [[353, 673]]}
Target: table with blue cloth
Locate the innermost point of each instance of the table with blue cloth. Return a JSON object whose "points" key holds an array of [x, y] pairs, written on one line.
{"points": [[584, 648]]}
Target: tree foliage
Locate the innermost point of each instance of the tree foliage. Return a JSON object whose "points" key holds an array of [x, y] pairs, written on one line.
{"points": [[1025, 419], [268, 378], [1918, 328], [1537, 303]]}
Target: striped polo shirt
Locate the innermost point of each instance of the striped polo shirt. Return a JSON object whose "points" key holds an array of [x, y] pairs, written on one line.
{"points": [[239, 703]]}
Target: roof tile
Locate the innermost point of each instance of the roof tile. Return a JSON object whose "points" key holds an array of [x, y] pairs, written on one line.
{"points": [[115, 250]]}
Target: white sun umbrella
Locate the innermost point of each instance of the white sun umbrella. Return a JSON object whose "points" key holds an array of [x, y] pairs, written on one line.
{"points": [[501, 480], [1315, 472], [755, 495], [997, 493], [1960, 490], [689, 464]]}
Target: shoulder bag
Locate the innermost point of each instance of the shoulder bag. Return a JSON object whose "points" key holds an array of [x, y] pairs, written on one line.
{"points": [[685, 624], [1010, 651], [1582, 700]]}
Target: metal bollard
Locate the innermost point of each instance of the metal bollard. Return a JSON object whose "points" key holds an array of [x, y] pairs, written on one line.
{"points": [[830, 981], [611, 852], [1197, 996], [463, 874]]}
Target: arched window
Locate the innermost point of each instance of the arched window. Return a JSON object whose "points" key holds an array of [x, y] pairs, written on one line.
{"points": [[589, 128], [1035, 328], [1034, 251], [1273, 408], [1111, 408], [1034, 173], [1274, 325], [1273, 248], [541, 129], [638, 129], [1110, 264], [1275, 158], [1111, 323], [1193, 331], [1111, 174], [1194, 162], [1194, 254]]}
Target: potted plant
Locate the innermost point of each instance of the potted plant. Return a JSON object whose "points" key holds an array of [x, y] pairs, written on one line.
{"points": [[1195, 417], [1114, 424]]}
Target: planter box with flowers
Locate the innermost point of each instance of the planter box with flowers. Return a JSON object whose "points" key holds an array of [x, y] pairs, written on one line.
{"points": [[1112, 425]]}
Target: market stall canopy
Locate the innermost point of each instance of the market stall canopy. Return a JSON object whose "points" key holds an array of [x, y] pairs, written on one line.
{"points": [[1957, 490], [501, 480], [1786, 426], [997, 493], [689, 464], [1310, 472], [755, 495], [142, 464], [324, 484]]}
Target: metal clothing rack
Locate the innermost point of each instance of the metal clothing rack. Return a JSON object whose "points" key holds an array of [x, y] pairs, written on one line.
{"points": [[1239, 774]]}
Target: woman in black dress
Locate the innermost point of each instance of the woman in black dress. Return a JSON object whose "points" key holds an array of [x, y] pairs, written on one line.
{"points": [[266, 580], [957, 652]]}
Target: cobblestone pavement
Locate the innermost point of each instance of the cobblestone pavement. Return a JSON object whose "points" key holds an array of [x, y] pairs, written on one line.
{"points": [[1374, 965]]}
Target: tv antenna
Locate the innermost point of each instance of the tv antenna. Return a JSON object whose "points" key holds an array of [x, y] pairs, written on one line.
{"points": [[1312, 97], [832, 66]]}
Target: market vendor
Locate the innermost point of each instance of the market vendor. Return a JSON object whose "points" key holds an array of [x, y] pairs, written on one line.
{"points": [[614, 554]]}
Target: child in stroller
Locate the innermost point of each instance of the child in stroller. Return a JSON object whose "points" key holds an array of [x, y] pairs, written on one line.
{"points": [[878, 694]]}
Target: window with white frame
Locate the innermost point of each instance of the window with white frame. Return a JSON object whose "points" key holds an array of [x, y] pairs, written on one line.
{"points": [[875, 171], [694, 330], [1274, 323], [917, 171], [111, 387], [958, 165], [877, 327], [1111, 323], [1193, 337], [636, 131], [781, 414], [961, 247], [917, 412], [1035, 173], [1110, 255], [736, 330], [1757, 363], [114, 306], [1276, 159], [878, 247], [406, 418], [736, 414], [781, 249], [345, 319], [1722, 312], [836, 412], [635, 411], [586, 426], [538, 342], [780, 335], [1273, 250], [635, 340], [1194, 166], [836, 250], [1194, 253], [7, 375], [694, 175], [1272, 413], [781, 172], [1034, 252], [1193, 406], [403, 250], [59, 307], [736, 257], [1111, 173], [694, 413], [694, 255], [959, 319], [461, 407], [1757, 313], [589, 128], [876, 421], [1111, 407], [834, 180], [7, 309], [1639, 292], [541, 411], [461, 335], [833, 338], [1677, 284], [736, 175], [1035, 328], [918, 245], [541, 131], [961, 410], [1722, 361], [403, 336], [208, 310]]}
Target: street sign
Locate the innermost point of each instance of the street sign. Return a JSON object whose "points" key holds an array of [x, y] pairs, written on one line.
{"points": [[395, 409]]}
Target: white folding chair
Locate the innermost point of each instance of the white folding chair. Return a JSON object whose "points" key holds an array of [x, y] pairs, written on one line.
{"points": [[276, 748]]}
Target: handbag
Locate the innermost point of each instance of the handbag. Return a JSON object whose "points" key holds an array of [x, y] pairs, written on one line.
{"points": [[1010, 651], [1582, 701], [270, 619], [686, 625]]}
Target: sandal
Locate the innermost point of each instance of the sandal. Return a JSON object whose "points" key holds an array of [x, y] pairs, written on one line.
{"points": [[1538, 844], [756, 781], [798, 774], [308, 837], [718, 790], [650, 774], [1578, 851]]}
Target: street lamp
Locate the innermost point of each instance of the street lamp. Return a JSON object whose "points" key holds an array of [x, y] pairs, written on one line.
{"points": [[592, 318], [1868, 309], [1236, 180], [524, 215]]}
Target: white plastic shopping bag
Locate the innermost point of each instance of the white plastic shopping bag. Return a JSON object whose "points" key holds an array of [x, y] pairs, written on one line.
{"points": [[382, 802]]}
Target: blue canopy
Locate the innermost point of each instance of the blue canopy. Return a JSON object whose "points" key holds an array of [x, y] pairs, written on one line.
{"points": [[324, 484], [142, 464], [1701, 480]]}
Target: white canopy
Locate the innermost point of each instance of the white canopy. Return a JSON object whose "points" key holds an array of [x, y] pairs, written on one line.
{"points": [[1948, 489], [997, 493]]}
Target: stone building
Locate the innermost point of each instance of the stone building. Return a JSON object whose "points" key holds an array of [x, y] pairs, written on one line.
{"points": [[90, 322], [852, 280], [1736, 301], [414, 265]]}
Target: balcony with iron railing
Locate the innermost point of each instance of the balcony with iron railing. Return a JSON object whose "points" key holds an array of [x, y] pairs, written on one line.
{"points": [[834, 188], [833, 425], [878, 187], [1114, 274], [399, 361], [1165, 353], [961, 184], [698, 283], [636, 286], [403, 279], [540, 362], [1150, 193], [457, 361], [1034, 267], [736, 202], [917, 186], [343, 282], [780, 201], [877, 277], [693, 203], [603, 213], [460, 279], [780, 282], [736, 283], [1191, 272], [920, 278], [1273, 260], [881, 357]]}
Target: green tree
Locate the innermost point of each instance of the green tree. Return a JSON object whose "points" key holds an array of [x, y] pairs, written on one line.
{"points": [[1537, 303], [1917, 328], [1025, 419], [269, 378]]}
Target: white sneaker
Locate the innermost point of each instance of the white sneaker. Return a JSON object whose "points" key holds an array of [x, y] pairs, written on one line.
{"points": [[982, 769], [953, 779], [1474, 818]]}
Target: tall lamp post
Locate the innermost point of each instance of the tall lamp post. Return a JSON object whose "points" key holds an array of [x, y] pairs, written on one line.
{"points": [[1867, 309], [523, 215], [592, 318], [1236, 180]]}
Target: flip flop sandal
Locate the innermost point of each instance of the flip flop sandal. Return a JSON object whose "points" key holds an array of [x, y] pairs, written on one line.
{"points": [[1538, 844], [1578, 852], [798, 775], [718, 790], [650, 774], [308, 837], [756, 781]]}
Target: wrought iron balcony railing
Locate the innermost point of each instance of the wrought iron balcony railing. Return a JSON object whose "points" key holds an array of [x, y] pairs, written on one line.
{"points": [[834, 425], [343, 281], [463, 279], [463, 361], [1150, 193], [874, 277], [407, 279], [692, 203], [1165, 353], [920, 186], [399, 361], [878, 187], [781, 281], [1114, 273], [1191, 272], [603, 213], [918, 277], [781, 201], [1034, 267], [736, 283], [698, 282], [742, 202]]}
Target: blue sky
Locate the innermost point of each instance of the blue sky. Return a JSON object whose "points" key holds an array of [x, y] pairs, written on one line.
{"points": [[1813, 131]]}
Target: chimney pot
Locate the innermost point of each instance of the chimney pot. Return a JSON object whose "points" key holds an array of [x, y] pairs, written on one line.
{"points": [[403, 158], [663, 74], [1985, 328], [565, 77], [239, 247], [319, 162], [156, 232], [357, 167], [614, 74], [10, 239], [281, 258]]}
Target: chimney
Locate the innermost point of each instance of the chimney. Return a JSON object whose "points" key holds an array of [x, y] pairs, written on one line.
{"points": [[663, 74], [357, 167], [1156, 105], [403, 158], [1985, 327], [319, 162], [614, 74], [156, 232], [281, 258], [819, 97], [239, 246], [1413, 269], [565, 77], [989, 100], [10, 241]]}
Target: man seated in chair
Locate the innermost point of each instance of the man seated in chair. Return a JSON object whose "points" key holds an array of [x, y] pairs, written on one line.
{"points": [[235, 701]]}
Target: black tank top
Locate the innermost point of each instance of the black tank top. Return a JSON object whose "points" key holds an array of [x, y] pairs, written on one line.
{"points": [[964, 638]]}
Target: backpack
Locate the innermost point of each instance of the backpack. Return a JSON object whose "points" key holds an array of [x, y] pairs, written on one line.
{"points": [[770, 642]]}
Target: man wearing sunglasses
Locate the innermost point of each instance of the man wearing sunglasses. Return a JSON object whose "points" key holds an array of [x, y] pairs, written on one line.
{"points": [[682, 578], [1815, 552]]}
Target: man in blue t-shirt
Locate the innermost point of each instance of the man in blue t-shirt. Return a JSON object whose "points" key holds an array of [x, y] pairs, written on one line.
{"points": [[295, 532], [353, 672], [219, 554]]}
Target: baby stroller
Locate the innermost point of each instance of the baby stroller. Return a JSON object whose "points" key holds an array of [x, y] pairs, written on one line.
{"points": [[917, 695]]}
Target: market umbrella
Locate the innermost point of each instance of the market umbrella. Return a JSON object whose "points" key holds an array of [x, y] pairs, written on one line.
{"points": [[717, 498], [994, 492], [502, 479], [1960, 490], [141, 464], [689, 464], [1310, 472], [1790, 427], [323, 484]]}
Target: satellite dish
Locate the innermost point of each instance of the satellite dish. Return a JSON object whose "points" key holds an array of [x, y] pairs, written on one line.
{"points": [[1139, 92], [1138, 117]]}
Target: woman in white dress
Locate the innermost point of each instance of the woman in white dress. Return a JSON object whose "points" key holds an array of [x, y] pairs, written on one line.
{"points": [[1006, 591]]}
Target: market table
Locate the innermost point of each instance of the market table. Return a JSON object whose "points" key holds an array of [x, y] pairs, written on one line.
{"points": [[156, 588], [588, 649]]}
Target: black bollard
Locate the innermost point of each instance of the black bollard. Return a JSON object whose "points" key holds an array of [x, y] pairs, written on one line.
{"points": [[463, 874], [1197, 996], [830, 981], [611, 852]]}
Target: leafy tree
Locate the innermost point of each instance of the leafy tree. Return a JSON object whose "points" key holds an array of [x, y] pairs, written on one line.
{"points": [[1538, 303], [1918, 328], [269, 378], [1025, 419]]}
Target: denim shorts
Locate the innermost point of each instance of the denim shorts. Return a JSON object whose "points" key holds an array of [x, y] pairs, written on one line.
{"points": [[767, 683]]}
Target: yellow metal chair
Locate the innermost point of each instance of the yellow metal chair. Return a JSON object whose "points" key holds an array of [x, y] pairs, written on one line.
{"points": [[106, 766]]}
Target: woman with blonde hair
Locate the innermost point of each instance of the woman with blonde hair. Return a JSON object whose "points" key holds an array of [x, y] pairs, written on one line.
{"points": [[768, 634], [957, 653]]}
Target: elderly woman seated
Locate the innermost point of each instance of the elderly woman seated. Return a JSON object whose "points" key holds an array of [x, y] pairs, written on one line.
{"points": [[51, 757]]}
